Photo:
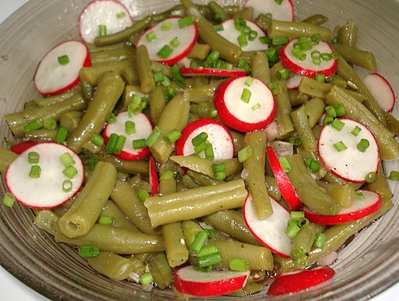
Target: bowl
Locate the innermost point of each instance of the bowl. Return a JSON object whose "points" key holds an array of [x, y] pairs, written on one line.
{"points": [[366, 266]]}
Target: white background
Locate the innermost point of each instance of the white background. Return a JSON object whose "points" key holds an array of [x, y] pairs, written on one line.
{"points": [[13, 289]]}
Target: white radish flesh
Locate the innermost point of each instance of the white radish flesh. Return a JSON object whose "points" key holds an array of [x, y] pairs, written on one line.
{"points": [[350, 164], [52, 77], [381, 89], [270, 231], [294, 81], [46, 191], [281, 12], [111, 14]]}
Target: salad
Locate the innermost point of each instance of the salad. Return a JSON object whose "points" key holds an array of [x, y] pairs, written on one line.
{"points": [[186, 116]]}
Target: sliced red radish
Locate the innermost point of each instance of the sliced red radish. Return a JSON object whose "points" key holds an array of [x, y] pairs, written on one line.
{"points": [[366, 203], [20, 147], [250, 33], [245, 103], [103, 17], [293, 282], [338, 150], [52, 187], [153, 177], [381, 89], [309, 66], [284, 184], [217, 134], [143, 129], [294, 81], [188, 281], [193, 71], [270, 231], [281, 12], [168, 42], [58, 70]]}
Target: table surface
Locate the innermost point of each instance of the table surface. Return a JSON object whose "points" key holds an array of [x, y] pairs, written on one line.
{"points": [[12, 289]]}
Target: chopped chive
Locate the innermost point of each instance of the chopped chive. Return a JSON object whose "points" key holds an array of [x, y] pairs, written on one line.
{"points": [[299, 54], [328, 119], [61, 134], [331, 112], [337, 124], [143, 194], [320, 240], [252, 35], [246, 95], [295, 140], [248, 82], [150, 36], [313, 164], [297, 214], [70, 171], [177, 76], [63, 59], [199, 241], [218, 27], [282, 74], [35, 124], [50, 124], [175, 42], [33, 157], [165, 52], [363, 145], [209, 260], [292, 229], [393, 175], [264, 40], [242, 40], [119, 144], [200, 138], [213, 113], [218, 167], [193, 64], [67, 186], [113, 139], [120, 15], [139, 143], [274, 87], [172, 136], [370, 177], [278, 1], [320, 77], [97, 139], [166, 25], [201, 147], [158, 76], [213, 56], [170, 93], [340, 110], [153, 137], [209, 153], [279, 40], [102, 29], [130, 127], [111, 118], [245, 153], [89, 251], [340, 146], [240, 265], [219, 176], [146, 278], [360, 195], [206, 250], [167, 174], [67, 159], [243, 64], [256, 106], [285, 164], [106, 220], [8, 199], [187, 21], [35, 172]]}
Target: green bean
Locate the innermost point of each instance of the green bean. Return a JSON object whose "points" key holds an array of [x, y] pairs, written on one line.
{"points": [[70, 120], [203, 93], [113, 55], [246, 13], [220, 14], [202, 109], [160, 270], [389, 147], [353, 55], [138, 266], [118, 240], [228, 51], [238, 140], [392, 123], [195, 202], [109, 89], [127, 199], [297, 98], [342, 194], [317, 19], [173, 117], [130, 75], [16, 121], [314, 108], [50, 100], [307, 189], [313, 87], [47, 220], [41, 135], [380, 184], [120, 218], [301, 124], [134, 167], [190, 230], [348, 34], [130, 91], [123, 35], [272, 188], [199, 52], [263, 21], [232, 223], [143, 63], [111, 265], [165, 69], [258, 257], [158, 103], [87, 208], [296, 29], [255, 166], [260, 67]]}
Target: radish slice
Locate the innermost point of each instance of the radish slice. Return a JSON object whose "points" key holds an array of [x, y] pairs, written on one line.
{"points": [[153, 177], [231, 34], [218, 135], [255, 113], [381, 89], [369, 203], [193, 71], [20, 147], [307, 67], [350, 164], [214, 283], [284, 184], [281, 12], [294, 81], [53, 77], [46, 191], [186, 39], [143, 130], [108, 14], [270, 231], [297, 281]]}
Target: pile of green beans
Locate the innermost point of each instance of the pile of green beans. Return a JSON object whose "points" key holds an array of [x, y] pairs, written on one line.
{"points": [[155, 234]]}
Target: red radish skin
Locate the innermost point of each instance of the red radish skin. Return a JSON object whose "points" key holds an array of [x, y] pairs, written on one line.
{"points": [[45, 192], [231, 34], [349, 164], [281, 12], [113, 14], [153, 177], [218, 135], [242, 116], [307, 67], [284, 184], [297, 281], [270, 232], [361, 208], [187, 37], [20, 147], [200, 71], [143, 130], [381, 89], [51, 77], [214, 283]]}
